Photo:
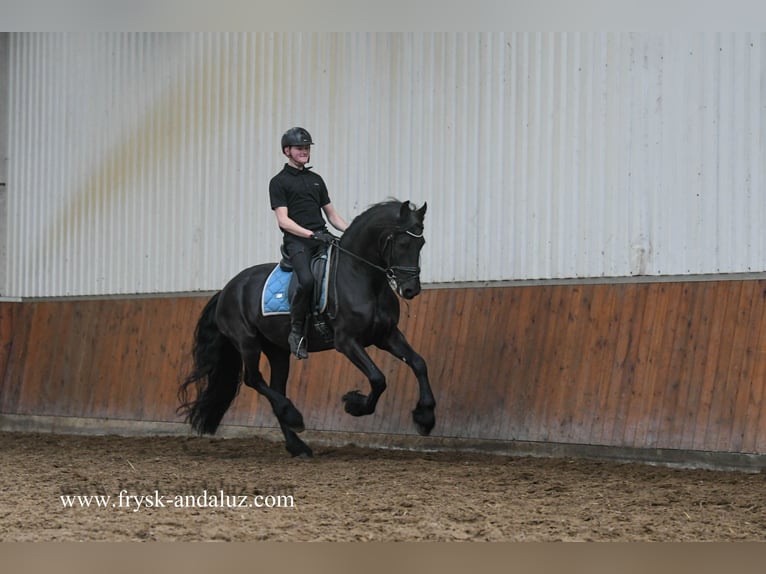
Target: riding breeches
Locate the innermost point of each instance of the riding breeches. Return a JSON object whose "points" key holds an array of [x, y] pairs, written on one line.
{"points": [[301, 252]]}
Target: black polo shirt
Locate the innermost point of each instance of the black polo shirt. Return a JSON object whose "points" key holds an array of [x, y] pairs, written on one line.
{"points": [[303, 193]]}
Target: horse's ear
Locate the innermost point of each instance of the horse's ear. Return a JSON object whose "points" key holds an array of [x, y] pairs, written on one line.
{"points": [[408, 209]]}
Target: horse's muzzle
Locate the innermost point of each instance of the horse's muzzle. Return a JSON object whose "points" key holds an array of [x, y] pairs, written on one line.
{"points": [[410, 289], [404, 280]]}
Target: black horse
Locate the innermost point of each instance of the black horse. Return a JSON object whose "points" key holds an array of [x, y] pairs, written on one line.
{"points": [[378, 253]]}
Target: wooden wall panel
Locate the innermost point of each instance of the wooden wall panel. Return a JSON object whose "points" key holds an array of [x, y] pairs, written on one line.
{"points": [[7, 328], [649, 365]]}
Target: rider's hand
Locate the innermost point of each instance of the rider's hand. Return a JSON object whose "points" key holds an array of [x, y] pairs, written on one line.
{"points": [[323, 236]]}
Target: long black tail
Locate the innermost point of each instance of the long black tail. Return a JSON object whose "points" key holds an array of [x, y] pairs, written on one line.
{"points": [[216, 374]]}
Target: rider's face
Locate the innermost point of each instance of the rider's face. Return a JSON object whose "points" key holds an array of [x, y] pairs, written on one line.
{"points": [[298, 155]]}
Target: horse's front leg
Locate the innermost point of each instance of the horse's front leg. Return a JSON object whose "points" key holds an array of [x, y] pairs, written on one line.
{"points": [[423, 415], [356, 403]]}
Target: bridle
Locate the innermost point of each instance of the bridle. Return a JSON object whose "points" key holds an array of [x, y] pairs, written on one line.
{"points": [[399, 275], [396, 275]]}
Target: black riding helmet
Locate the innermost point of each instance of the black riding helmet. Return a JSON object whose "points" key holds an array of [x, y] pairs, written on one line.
{"points": [[296, 136]]}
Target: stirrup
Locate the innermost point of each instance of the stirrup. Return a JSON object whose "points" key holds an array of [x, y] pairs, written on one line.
{"points": [[297, 344]]}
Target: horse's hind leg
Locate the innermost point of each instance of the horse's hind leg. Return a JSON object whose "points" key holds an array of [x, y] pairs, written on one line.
{"points": [[279, 361], [423, 414], [283, 408]]}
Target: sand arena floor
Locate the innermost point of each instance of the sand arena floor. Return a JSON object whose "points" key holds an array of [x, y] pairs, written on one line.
{"points": [[250, 489]]}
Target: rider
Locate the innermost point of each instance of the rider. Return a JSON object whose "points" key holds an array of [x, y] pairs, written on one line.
{"points": [[298, 197]]}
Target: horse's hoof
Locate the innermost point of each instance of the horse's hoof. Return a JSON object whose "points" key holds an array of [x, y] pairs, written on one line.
{"points": [[303, 454], [355, 404], [422, 431], [354, 396], [292, 418], [301, 451], [424, 421]]}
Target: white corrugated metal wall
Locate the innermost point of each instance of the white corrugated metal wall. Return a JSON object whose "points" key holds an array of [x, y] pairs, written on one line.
{"points": [[4, 88], [139, 163]]}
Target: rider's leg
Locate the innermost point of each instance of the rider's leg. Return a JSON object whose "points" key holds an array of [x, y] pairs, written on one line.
{"points": [[300, 256]]}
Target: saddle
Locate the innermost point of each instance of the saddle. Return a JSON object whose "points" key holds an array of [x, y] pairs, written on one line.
{"points": [[282, 283]]}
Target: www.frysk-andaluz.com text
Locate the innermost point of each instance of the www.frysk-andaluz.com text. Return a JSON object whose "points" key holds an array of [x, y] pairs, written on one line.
{"points": [[156, 499]]}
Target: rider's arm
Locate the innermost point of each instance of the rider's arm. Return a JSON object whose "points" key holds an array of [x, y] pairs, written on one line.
{"points": [[334, 217], [287, 224]]}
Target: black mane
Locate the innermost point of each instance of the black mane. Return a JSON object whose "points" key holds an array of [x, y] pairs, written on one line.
{"points": [[379, 218]]}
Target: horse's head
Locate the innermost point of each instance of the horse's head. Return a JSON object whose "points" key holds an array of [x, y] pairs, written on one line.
{"points": [[401, 250]]}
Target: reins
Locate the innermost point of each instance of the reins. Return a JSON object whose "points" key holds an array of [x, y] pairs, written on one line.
{"points": [[337, 246]]}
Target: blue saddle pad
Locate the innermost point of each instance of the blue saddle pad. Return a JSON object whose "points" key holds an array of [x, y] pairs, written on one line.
{"points": [[275, 299]]}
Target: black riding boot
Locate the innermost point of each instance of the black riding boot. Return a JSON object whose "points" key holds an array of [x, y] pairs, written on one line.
{"points": [[297, 339]]}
